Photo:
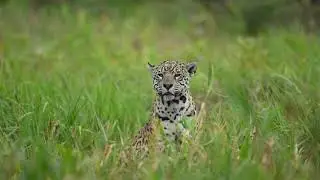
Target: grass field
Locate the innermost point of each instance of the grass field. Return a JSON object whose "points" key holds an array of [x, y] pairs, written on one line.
{"points": [[74, 88]]}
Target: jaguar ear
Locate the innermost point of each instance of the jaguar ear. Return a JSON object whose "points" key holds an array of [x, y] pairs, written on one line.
{"points": [[150, 67], [191, 68]]}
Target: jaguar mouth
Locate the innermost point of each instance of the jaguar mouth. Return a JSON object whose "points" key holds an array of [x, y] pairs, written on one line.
{"points": [[168, 96]]}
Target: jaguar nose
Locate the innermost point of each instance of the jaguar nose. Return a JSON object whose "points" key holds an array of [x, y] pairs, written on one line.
{"points": [[167, 86]]}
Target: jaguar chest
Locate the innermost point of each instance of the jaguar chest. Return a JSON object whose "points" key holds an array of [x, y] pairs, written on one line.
{"points": [[172, 110]]}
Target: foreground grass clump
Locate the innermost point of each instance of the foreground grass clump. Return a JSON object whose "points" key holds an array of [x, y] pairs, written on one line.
{"points": [[74, 88]]}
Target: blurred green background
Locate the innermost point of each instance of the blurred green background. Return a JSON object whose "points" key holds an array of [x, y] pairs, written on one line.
{"points": [[74, 86]]}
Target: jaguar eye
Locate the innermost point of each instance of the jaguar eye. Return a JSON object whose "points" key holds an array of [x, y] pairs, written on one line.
{"points": [[177, 75], [160, 75]]}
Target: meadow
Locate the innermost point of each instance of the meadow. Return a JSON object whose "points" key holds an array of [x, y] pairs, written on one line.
{"points": [[75, 88]]}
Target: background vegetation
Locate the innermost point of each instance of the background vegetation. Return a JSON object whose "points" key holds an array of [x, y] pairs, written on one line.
{"points": [[74, 87]]}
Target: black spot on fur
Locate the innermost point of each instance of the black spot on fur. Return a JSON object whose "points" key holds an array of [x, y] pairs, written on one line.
{"points": [[183, 99], [188, 107], [175, 101], [165, 109], [169, 103], [164, 118], [182, 108], [191, 114], [178, 140], [162, 99], [171, 121]]}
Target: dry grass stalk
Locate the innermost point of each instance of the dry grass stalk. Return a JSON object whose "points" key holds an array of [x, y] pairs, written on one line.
{"points": [[199, 120], [267, 161]]}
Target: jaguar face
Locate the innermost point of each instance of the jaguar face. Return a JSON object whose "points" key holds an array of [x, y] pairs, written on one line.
{"points": [[171, 78]]}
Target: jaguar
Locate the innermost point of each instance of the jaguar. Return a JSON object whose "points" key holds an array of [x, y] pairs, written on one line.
{"points": [[172, 103]]}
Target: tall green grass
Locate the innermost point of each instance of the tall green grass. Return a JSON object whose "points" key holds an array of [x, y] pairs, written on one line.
{"points": [[75, 85]]}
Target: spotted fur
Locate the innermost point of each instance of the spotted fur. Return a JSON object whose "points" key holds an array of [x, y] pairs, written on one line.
{"points": [[173, 102]]}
